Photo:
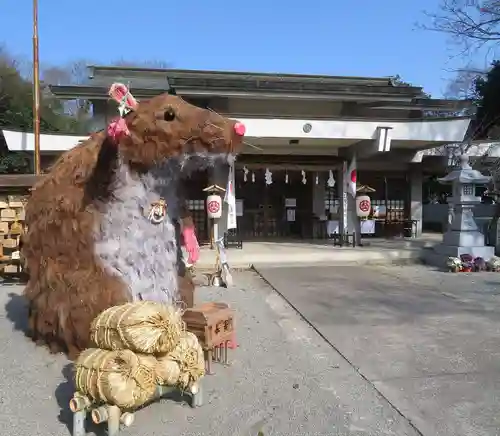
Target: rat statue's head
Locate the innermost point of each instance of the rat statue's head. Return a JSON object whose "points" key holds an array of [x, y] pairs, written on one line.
{"points": [[167, 127]]}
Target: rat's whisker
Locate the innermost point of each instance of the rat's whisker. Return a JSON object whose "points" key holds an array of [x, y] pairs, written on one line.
{"points": [[253, 146], [220, 128], [214, 140], [216, 113], [186, 141], [213, 125], [244, 142]]}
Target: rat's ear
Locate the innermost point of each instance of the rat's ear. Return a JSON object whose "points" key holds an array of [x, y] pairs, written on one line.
{"points": [[121, 94]]}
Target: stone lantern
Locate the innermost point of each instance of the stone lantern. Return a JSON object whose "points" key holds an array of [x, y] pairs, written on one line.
{"points": [[462, 235]]}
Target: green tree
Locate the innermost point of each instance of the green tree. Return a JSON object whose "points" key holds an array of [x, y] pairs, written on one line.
{"points": [[16, 101], [484, 89], [76, 72], [487, 94], [16, 112]]}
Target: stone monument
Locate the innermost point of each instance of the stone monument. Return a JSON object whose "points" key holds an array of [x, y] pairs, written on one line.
{"points": [[462, 235]]}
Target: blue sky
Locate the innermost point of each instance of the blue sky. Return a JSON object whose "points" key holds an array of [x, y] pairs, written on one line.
{"points": [[363, 38]]}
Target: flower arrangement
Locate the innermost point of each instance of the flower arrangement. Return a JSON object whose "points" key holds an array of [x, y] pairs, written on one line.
{"points": [[454, 264], [467, 262], [479, 264], [493, 264]]}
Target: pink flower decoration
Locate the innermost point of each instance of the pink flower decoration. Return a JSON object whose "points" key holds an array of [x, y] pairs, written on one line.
{"points": [[117, 129]]}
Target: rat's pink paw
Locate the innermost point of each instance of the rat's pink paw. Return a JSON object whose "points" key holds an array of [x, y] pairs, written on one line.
{"points": [[191, 244]]}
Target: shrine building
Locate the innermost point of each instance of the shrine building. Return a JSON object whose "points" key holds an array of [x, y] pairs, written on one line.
{"points": [[302, 130]]}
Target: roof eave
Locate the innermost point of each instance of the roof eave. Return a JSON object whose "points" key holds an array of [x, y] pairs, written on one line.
{"points": [[209, 74], [100, 93], [425, 105], [249, 79]]}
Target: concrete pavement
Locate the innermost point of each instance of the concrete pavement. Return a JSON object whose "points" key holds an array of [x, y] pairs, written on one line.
{"points": [[322, 252], [428, 341], [284, 380]]}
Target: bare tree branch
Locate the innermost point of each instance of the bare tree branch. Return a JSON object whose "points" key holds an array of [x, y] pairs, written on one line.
{"points": [[471, 24], [462, 86]]}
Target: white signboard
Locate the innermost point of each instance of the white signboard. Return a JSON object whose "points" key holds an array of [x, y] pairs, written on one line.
{"points": [[367, 227], [290, 202], [239, 207]]}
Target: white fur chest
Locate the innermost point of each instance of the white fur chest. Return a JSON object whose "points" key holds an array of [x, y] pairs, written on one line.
{"points": [[129, 245]]}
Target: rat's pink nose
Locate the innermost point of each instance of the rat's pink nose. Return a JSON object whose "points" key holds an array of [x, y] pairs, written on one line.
{"points": [[239, 129]]}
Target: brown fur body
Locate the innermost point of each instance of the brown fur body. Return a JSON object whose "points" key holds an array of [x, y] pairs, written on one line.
{"points": [[68, 285]]}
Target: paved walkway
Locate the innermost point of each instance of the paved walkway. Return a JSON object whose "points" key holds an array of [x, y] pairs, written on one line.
{"points": [[428, 341], [316, 252], [284, 380]]}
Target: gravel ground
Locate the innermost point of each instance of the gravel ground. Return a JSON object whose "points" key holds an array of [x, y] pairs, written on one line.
{"points": [[428, 340], [284, 380]]}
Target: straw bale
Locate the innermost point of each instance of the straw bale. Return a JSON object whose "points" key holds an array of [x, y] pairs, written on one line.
{"points": [[120, 378], [144, 327], [184, 365]]}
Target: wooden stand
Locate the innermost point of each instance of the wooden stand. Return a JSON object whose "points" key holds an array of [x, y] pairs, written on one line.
{"points": [[213, 325], [115, 418]]}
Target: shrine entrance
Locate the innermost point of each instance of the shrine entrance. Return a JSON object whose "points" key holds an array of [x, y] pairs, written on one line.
{"points": [[280, 209]]}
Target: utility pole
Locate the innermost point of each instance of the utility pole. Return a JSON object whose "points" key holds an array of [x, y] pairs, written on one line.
{"points": [[36, 89]]}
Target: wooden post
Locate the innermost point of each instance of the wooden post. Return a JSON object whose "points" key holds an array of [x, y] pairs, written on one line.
{"points": [[386, 202], [212, 241], [36, 90]]}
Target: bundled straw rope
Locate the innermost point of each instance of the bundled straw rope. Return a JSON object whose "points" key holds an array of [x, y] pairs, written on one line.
{"points": [[144, 327], [185, 364], [120, 378]]}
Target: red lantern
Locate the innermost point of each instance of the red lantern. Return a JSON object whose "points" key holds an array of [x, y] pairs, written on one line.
{"points": [[363, 206]]}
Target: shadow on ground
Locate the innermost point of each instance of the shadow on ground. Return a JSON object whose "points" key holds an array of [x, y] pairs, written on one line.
{"points": [[17, 312], [63, 394]]}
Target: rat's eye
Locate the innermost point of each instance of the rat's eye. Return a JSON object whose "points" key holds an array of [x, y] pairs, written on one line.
{"points": [[169, 114]]}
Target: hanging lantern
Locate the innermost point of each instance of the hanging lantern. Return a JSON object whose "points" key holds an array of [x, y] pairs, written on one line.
{"points": [[214, 206], [363, 206]]}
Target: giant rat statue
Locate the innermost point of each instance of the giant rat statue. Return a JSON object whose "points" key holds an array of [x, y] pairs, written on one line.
{"points": [[101, 223]]}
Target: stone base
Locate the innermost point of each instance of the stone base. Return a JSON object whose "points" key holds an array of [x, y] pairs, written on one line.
{"points": [[452, 250], [463, 239]]}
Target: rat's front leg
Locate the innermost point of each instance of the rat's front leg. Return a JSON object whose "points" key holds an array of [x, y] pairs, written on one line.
{"points": [[189, 236], [185, 280]]}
